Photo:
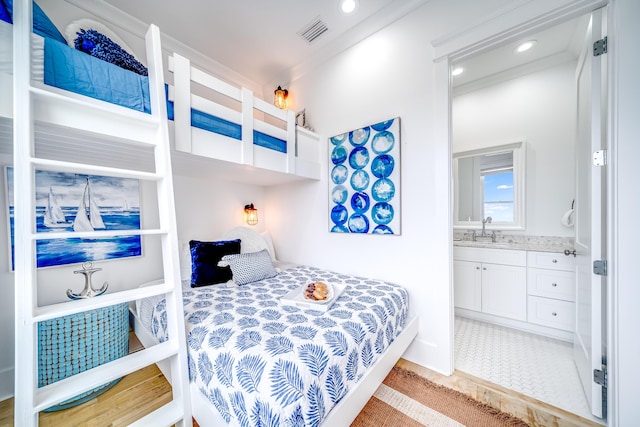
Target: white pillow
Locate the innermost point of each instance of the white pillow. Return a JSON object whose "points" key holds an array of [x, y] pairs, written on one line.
{"points": [[267, 239], [250, 240]]}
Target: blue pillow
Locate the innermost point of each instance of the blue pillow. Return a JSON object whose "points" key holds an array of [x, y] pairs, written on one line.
{"points": [[4, 14], [100, 46], [42, 25], [204, 261]]}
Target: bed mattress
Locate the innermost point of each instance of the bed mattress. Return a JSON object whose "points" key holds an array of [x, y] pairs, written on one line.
{"points": [[262, 362]]}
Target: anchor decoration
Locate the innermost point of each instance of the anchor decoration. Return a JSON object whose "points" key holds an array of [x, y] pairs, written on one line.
{"points": [[88, 291]]}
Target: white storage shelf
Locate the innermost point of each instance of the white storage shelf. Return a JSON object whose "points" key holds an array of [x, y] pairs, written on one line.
{"points": [[529, 290]]}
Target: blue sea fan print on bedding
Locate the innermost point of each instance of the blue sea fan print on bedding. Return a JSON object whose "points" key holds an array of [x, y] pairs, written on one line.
{"points": [[258, 365]]}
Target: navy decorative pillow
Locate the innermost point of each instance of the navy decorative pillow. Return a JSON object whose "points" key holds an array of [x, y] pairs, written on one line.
{"points": [[204, 261], [4, 14], [100, 46], [42, 25], [250, 267]]}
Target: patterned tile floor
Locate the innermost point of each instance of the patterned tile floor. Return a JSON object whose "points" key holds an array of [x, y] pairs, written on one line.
{"points": [[537, 366]]}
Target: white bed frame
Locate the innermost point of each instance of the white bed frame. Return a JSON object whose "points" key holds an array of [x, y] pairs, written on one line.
{"points": [[342, 414]]}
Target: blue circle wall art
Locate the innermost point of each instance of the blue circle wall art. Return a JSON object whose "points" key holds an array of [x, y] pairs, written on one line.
{"points": [[360, 180], [359, 158], [360, 203], [339, 174], [339, 155], [364, 184], [339, 194]]}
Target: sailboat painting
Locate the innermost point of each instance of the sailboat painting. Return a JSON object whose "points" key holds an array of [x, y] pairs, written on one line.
{"points": [[67, 202]]}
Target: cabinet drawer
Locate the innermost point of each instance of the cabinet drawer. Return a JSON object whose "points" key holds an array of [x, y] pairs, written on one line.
{"points": [[550, 312], [494, 256], [551, 284], [551, 260]]}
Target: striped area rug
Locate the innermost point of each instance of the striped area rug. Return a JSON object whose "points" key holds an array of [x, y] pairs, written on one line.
{"points": [[405, 399]]}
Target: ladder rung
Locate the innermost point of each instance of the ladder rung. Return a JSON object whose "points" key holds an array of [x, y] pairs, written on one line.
{"points": [[67, 388], [108, 299], [166, 415], [53, 105], [101, 234], [60, 166]]}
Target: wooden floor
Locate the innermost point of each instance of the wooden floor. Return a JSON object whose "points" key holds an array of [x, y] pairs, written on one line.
{"points": [[143, 391]]}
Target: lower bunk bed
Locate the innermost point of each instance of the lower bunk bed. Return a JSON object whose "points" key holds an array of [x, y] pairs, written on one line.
{"points": [[257, 358]]}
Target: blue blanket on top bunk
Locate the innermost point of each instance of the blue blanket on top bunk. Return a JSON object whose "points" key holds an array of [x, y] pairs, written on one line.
{"points": [[75, 71]]}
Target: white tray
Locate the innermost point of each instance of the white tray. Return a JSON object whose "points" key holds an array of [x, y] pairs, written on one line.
{"points": [[296, 298]]}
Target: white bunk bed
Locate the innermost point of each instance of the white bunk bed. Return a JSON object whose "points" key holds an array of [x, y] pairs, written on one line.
{"points": [[254, 132], [227, 126], [32, 111], [68, 120]]}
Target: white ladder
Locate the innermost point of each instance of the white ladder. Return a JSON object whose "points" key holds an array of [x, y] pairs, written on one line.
{"points": [[31, 103]]}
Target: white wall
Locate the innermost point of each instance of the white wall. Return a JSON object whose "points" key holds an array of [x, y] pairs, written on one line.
{"points": [[388, 75], [624, 286], [539, 108], [206, 209]]}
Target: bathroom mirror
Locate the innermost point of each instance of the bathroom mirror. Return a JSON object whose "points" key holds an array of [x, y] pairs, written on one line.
{"points": [[490, 182]]}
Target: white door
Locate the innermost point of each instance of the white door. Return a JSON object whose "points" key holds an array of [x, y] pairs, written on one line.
{"points": [[590, 239], [504, 291], [467, 285]]}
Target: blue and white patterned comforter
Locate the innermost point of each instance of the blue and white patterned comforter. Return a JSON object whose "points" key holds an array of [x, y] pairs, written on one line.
{"points": [[262, 363]]}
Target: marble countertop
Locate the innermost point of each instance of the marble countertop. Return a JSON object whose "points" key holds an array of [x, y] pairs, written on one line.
{"points": [[518, 242]]}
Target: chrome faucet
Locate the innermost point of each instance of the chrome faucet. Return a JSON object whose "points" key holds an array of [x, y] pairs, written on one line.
{"points": [[487, 220]]}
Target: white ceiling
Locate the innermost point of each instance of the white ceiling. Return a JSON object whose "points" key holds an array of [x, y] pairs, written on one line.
{"points": [[559, 43], [258, 38]]}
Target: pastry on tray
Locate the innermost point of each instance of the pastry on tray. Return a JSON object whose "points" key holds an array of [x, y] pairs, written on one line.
{"points": [[317, 291]]}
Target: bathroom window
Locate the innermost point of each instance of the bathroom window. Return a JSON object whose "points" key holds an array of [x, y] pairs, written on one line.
{"points": [[498, 196]]}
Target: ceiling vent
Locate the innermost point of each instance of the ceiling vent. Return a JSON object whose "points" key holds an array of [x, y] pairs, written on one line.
{"points": [[313, 30]]}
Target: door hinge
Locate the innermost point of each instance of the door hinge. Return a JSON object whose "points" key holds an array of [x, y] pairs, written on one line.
{"points": [[600, 377], [600, 47], [600, 267], [600, 158]]}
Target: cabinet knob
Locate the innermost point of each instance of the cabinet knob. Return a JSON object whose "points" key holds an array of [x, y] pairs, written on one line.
{"points": [[555, 261], [554, 284], [484, 268], [554, 314], [477, 268]]}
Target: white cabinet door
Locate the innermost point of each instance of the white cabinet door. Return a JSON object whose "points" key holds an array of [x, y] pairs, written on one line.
{"points": [[467, 285], [504, 291]]}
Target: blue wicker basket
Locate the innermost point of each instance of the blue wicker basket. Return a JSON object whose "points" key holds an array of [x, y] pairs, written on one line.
{"points": [[72, 344]]}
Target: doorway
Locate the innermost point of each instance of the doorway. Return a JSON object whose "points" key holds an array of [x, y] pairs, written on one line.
{"points": [[476, 91]]}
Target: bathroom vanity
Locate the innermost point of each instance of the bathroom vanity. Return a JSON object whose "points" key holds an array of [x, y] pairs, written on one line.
{"points": [[520, 285]]}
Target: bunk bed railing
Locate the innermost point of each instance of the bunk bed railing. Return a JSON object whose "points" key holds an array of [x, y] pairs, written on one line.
{"points": [[254, 118]]}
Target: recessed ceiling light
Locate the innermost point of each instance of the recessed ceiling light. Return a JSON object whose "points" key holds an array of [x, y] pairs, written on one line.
{"points": [[457, 71], [348, 6], [525, 46]]}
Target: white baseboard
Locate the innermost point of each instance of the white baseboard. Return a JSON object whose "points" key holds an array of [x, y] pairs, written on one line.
{"points": [[6, 384], [427, 355]]}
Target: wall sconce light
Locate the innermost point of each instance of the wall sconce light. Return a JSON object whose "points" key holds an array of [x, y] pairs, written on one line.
{"points": [[281, 98], [251, 214]]}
